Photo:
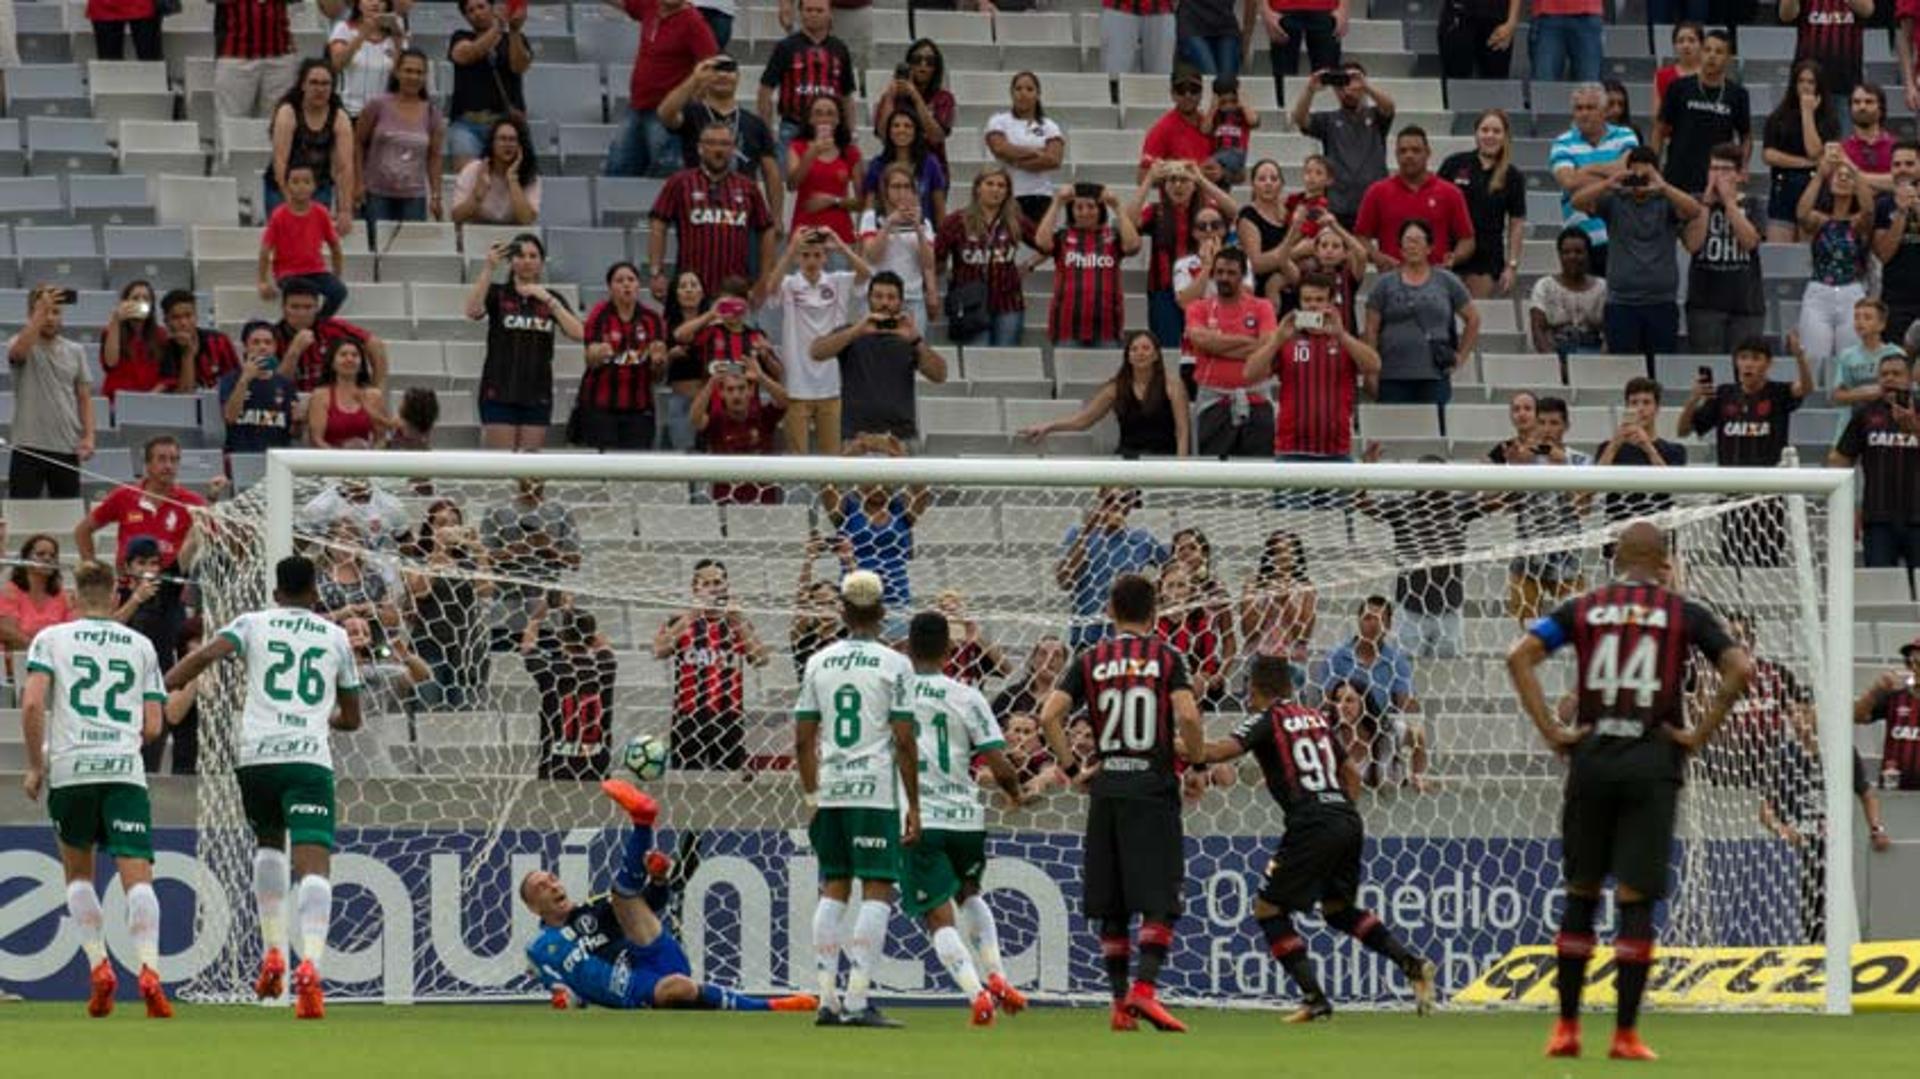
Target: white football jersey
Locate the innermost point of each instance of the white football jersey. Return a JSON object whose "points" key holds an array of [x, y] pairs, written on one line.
{"points": [[296, 661], [856, 689], [103, 674]]}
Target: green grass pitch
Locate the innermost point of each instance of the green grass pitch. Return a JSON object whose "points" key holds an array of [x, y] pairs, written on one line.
{"points": [[366, 1041]]}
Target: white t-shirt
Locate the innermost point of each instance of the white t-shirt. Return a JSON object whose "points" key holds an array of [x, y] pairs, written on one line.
{"points": [[366, 75], [808, 313], [297, 664], [103, 674], [856, 690], [1184, 271], [902, 255], [1027, 135]]}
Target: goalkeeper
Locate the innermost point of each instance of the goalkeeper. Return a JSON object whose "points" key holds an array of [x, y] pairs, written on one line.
{"points": [[613, 950]]}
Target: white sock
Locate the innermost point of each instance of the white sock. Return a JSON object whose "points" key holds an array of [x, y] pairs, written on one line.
{"points": [[315, 901], [869, 940], [270, 876], [826, 948], [953, 955], [978, 919], [83, 906], [143, 924]]}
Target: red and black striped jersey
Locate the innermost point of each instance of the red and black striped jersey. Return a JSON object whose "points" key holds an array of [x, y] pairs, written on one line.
{"points": [[719, 343], [1299, 758], [1087, 301], [251, 29], [717, 220], [213, 360], [804, 69], [1170, 239], [993, 258], [623, 382], [709, 658], [1833, 35], [1316, 379], [1139, 7], [1902, 746], [1127, 684], [1631, 641], [1889, 459], [1196, 635], [310, 369]]}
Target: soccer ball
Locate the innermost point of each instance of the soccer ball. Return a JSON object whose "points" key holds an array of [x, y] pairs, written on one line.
{"points": [[645, 756]]}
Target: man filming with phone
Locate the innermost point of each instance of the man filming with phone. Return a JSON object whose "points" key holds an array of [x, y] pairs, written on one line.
{"points": [[53, 422], [1353, 137], [1316, 363], [879, 357], [707, 97], [1883, 437]]}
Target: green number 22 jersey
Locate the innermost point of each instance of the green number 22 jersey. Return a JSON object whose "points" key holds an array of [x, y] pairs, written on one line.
{"points": [[295, 662], [855, 689], [954, 724], [103, 674]]}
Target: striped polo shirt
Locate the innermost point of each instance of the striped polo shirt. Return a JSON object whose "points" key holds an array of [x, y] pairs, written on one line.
{"points": [[1572, 149]]}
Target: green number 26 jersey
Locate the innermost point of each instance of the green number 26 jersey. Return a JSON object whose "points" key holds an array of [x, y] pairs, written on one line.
{"points": [[295, 662], [954, 724], [855, 689], [102, 676]]}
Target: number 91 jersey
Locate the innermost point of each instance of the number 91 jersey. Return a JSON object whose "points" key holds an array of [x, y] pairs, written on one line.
{"points": [[296, 660], [1127, 684]]}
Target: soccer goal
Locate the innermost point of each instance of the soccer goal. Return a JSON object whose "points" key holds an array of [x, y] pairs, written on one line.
{"points": [[463, 782]]}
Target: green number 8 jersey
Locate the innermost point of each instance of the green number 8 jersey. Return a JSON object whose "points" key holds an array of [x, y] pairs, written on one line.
{"points": [[296, 661], [855, 690]]}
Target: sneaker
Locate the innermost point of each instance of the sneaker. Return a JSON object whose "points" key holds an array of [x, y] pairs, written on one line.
{"points": [[659, 866], [826, 1017], [158, 1007], [870, 1017], [273, 976], [1010, 1000], [983, 1009], [1145, 1004], [100, 1001], [1122, 1018], [1565, 1039], [1628, 1046], [640, 809], [309, 1002], [1312, 1011], [798, 1002], [1422, 980]]}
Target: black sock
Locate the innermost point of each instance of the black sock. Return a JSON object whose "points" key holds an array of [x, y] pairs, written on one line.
{"points": [[1116, 955], [657, 895], [1574, 946], [1375, 936], [1286, 946], [1633, 956], [1156, 937]]}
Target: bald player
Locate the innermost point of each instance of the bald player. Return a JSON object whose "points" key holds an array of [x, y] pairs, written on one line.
{"points": [[1628, 747]]}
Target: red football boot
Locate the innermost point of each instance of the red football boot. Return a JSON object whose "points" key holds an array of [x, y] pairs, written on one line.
{"points": [[1565, 1039], [1010, 1000], [1628, 1046], [273, 976], [640, 809], [308, 1001], [100, 1002], [158, 1007], [1122, 1018], [1144, 1004], [983, 1009]]}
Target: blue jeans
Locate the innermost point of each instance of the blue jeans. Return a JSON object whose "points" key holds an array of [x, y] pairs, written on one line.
{"points": [[1418, 391], [333, 292], [1891, 544], [676, 423], [1642, 329], [643, 147], [387, 208], [1217, 55], [467, 139], [1003, 331], [1166, 319], [1572, 42], [722, 26]]}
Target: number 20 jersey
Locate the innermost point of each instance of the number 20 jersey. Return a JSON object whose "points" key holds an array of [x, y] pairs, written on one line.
{"points": [[1127, 683], [295, 661], [1631, 641]]}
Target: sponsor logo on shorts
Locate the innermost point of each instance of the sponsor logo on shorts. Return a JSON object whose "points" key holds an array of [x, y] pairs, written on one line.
{"points": [[132, 827], [307, 809], [869, 842]]}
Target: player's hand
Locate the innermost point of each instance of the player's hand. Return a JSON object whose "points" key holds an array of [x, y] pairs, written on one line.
{"points": [[1688, 739], [32, 782], [1563, 738], [1882, 842], [1888, 684], [910, 829]]}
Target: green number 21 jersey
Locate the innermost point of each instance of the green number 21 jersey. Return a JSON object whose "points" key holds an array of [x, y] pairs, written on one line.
{"points": [[295, 662], [102, 676], [954, 724], [855, 689]]}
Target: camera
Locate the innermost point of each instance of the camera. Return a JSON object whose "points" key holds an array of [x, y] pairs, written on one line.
{"points": [[1085, 190], [1309, 320], [886, 324], [726, 63], [730, 307], [141, 309], [901, 72], [1635, 180], [1335, 79], [726, 367]]}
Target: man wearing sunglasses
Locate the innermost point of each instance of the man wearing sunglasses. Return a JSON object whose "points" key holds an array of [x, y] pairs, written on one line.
{"points": [[1177, 136]]}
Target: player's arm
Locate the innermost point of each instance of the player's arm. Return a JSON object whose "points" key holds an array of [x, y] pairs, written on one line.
{"points": [[906, 760], [1541, 640], [1220, 750], [806, 754], [152, 720], [1053, 726], [1871, 705], [1349, 778], [33, 731], [186, 670], [1186, 717], [1736, 668], [1004, 774], [348, 717]]}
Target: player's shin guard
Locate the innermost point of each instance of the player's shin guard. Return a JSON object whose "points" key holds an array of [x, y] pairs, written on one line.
{"points": [[1372, 932], [1290, 951], [869, 941], [1633, 956], [1156, 939], [83, 906], [630, 877], [315, 903], [953, 955], [827, 916], [714, 998], [143, 924], [1573, 947], [270, 883], [1116, 955], [977, 918]]}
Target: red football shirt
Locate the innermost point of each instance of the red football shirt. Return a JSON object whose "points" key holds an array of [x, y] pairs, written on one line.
{"points": [[299, 241], [1245, 316], [1174, 137], [1391, 203], [753, 435], [670, 47], [1315, 411], [139, 512]]}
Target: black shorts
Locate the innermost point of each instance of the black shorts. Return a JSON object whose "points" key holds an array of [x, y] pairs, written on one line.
{"points": [[1618, 815], [1134, 861], [1318, 860]]}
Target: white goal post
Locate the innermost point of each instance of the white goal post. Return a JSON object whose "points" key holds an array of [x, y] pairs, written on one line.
{"points": [[1818, 516]]}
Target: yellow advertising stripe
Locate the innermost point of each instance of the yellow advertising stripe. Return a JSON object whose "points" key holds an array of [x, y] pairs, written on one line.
{"points": [[1886, 977]]}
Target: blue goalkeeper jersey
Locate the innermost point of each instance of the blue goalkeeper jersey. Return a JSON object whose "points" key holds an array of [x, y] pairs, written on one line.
{"points": [[593, 958]]}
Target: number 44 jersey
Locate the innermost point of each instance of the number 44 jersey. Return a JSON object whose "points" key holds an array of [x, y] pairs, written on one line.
{"points": [[1632, 641], [296, 661]]}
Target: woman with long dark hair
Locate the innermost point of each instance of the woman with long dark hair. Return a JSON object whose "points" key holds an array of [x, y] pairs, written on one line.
{"points": [[33, 598], [132, 345], [626, 349], [1168, 226], [1496, 194], [1620, 107], [982, 244], [905, 145], [1836, 210], [503, 186], [1689, 39], [1147, 401], [342, 413], [1200, 631], [1798, 127], [1029, 143], [516, 381], [401, 136], [1262, 224], [686, 375], [1088, 235], [1279, 605], [923, 93], [310, 127], [821, 170]]}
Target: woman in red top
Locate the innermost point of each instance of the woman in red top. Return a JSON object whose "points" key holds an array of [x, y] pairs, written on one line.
{"points": [[821, 171], [32, 599], [1687, 39], [131, 345], [340, 411], [113, 19], [1087, 249]]}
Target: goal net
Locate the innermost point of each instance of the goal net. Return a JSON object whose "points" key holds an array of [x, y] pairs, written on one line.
{"points": [[510, 630]]}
